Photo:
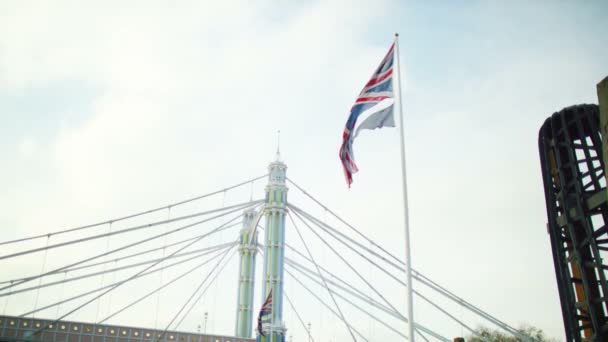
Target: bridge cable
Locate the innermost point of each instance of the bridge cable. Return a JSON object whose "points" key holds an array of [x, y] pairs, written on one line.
{"points": [[346, 262], [122, 231], [350, 290], [319, 299], [303, 270], [161, 273], [422, 335], [328, 228], [325, 304], [121, 258], [215, 285], [323, 278], [356, 306], [117, 285], [416, 275], [444, 291], [212, 281], [110, 285], [231, 245], [48, 239], [438, 288], [5, 305], [403, 283], [103, 275], [140, 242], [297, 315], [194, 293], [198, 252], [65, 275], [343, 221], [362, 309], [134, 215]]}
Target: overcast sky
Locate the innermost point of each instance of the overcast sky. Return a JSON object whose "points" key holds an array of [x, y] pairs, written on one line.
{"points": [[114, 107]]}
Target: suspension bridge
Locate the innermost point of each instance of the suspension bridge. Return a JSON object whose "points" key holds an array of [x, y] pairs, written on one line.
{"points": [[326, 261]]}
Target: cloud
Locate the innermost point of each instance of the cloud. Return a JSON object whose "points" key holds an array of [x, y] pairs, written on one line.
{"points": [[141, 104]]}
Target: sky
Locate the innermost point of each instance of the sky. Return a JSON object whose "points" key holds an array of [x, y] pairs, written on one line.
{"points": [[110, 108]]}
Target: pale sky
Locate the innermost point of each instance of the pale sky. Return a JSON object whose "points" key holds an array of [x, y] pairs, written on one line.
{"points": [[112, 107]]}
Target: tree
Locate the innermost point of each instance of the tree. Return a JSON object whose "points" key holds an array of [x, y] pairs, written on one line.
{"points": [[534, 333]]}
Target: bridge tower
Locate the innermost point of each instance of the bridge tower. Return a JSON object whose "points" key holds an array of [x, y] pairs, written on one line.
{"points": [[274, 249], [247, 251]]}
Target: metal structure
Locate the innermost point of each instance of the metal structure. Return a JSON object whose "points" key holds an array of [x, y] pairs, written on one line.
{"points": [[21, 329], [274, 208], [570, 147], [274, 249]]}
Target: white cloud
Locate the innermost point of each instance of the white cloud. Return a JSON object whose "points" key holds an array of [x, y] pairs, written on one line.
{"points": [[188, 97]]}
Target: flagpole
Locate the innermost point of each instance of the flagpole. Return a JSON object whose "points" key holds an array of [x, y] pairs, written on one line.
{"points": [[408, 254]]}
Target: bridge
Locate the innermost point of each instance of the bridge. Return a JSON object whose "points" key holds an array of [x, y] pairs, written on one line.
{"points": [[323, 256]]}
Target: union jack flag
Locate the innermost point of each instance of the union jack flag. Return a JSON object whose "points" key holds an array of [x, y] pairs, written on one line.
{"points": [[265, 310], [372, 109]]}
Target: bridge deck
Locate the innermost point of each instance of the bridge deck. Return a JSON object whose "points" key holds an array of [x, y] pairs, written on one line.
{"points": [[21, 329]]}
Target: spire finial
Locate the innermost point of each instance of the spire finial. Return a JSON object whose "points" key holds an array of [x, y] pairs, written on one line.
{"points": [[278, 144]]}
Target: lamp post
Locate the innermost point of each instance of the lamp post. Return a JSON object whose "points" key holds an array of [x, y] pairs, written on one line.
{"points": [[205, 326], [309, 338]]}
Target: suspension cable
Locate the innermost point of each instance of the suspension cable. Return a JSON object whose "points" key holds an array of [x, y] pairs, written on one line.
{"points": [[452, 317], [122, 258], [323, 278], [422, 335], [402, 283], [231, 245], [347, 263], [358, 307], [122, 231], [350, 290], [296, 211], [42, 271], [134, 215], [327, 228], [152, 250], [255, 203], [108, 286], [343, 221], [438, 288], [199, 252], [324, 304], [353, 291], [204, 290], [194, 293], [415, 274], [298, 315], [119, 284]]}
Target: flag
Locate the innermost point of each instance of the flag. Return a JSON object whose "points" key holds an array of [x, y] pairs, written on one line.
{"points": [[372, 109], [265, 310]]}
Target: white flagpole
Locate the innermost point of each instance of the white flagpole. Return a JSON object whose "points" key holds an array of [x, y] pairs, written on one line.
{"points": [[408, 254]]}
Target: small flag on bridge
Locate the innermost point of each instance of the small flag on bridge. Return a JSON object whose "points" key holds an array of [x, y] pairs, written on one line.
{"points": [[372, 109], [265, 310]]}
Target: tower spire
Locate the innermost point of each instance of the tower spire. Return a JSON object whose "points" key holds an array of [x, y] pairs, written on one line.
{"points": [[278, 156]]}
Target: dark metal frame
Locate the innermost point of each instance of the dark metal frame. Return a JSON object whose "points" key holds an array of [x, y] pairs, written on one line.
{"points": [[572, 165]]}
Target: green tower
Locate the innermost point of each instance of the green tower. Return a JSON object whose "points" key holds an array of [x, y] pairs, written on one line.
{"points": [[247, 250], [274, 250]]}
